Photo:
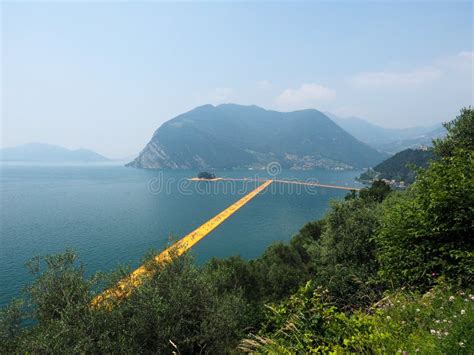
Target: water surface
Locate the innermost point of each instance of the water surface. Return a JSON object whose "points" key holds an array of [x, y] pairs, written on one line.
{"points": [[112, 215]]}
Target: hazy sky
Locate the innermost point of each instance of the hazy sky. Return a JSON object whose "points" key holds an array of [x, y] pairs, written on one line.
{"points": [[106, 75]]}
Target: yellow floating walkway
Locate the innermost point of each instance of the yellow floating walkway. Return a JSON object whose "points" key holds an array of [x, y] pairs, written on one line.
{"points": [[295, 182], [125, 286]]}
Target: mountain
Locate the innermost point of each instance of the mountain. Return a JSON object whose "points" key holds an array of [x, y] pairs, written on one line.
{"points": [[50, 153], [399, 166], [233, 136], [388, 139], [414, 142]]}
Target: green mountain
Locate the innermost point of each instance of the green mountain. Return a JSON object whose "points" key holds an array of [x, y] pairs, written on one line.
{"points": [[36, 152], [400, 166], [232, 136]]}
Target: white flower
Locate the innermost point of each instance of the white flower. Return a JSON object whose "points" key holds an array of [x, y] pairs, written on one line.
{"points": [[451, 298], [446, 333], [388, 317], [463, 311], [433, 331], [417, 309], [461, 344], [436, 321]]}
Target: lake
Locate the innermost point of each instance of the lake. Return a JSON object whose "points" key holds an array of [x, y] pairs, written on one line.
{"points": [[112, 215]]}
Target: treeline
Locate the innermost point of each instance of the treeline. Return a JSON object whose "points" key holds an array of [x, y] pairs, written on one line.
{"points": [[383, 271]]}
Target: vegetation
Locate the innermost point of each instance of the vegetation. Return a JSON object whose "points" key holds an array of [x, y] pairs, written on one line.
{"points": [[400, 167], [382, 272], [206, 175]]}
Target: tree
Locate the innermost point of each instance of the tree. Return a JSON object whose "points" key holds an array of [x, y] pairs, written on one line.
{"points": [[428, 231], [460, 134]]}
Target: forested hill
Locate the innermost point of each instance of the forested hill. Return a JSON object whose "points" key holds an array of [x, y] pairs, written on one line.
{"points": [[401, 166], [232, 136]]}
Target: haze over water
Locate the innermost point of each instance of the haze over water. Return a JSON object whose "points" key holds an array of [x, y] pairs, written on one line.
{"points": [[112, 215]]}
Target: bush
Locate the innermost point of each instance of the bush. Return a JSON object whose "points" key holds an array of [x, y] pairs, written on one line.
{"points": [[345, 260], [428, 231], [179, 309], [438, 322]]}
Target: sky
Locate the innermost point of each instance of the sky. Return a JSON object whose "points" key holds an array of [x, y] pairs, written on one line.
{"points": [[105, 75]]}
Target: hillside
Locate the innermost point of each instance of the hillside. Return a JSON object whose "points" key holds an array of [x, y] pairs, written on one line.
{"points": [[37, 152], [233, 136], [389, 140], [399, 167]]}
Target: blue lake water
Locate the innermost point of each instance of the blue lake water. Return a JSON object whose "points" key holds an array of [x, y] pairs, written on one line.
{"points": [[112, 215]]}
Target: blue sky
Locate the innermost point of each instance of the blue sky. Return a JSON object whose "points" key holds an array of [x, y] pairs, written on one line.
{"points": [[105, 75]]}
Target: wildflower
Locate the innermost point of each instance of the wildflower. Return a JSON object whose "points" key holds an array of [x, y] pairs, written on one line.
{"points": [[463, 311], [444, 320], [461, 344], [388, 317], [433, 331], [471, 297], [451, 298], [446, 333], [437, 321], [462, 293], [417, 309]]}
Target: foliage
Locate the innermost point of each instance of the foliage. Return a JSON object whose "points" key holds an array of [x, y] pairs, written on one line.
{"points": [[180, 309], [460, 134], [438, 322], [206, 175], [376, 192], [428, 231], [344, 259]]}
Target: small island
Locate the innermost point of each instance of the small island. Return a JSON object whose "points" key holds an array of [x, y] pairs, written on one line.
{"points": [[204, 175]]}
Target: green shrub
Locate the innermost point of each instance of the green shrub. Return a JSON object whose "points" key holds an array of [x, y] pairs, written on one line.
{"points": [[439, 322]]}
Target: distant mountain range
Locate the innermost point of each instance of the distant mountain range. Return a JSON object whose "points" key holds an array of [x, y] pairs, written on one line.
{"points": [[236, 136], [38, 152], [387, 139]]}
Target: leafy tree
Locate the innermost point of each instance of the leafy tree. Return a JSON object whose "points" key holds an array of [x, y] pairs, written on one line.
{"points": [[460, 134], [345, 260], [428, 231], [376, 192]]}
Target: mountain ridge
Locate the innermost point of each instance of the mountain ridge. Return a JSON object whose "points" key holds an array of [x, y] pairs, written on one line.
{"points": [[237, 136], [37, 152], [390, 140]]}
